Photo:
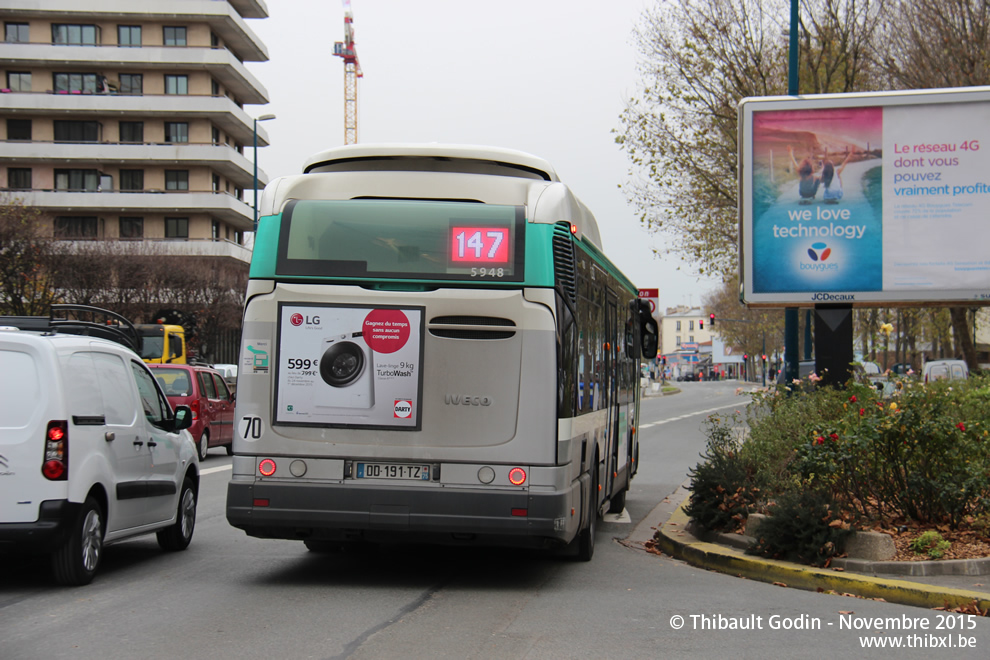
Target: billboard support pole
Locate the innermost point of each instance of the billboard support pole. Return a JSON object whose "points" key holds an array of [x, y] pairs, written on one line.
{"points": [[791, 320]]}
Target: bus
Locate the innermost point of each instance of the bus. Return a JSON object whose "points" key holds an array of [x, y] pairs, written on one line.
{"points": [[435, 349], [162, 343]]}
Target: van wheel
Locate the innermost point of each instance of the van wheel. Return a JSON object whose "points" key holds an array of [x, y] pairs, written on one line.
{"points": [[204, 445], [178, 535], [74, 563]]}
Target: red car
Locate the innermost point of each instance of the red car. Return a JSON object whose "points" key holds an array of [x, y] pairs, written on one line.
{"points": [[204, 390]]}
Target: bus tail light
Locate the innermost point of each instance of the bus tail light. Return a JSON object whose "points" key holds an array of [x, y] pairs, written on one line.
{"points": [[520, 513], [266, 467], [56, 465], [517, 476]]}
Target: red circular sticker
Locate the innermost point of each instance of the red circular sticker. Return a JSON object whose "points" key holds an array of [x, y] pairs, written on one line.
{"points": [[386, 330]]}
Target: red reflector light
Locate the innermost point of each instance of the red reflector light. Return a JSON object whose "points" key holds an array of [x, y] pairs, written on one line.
{"points": [[573, 228], [266, 467], [261, 502], [522, 513], [517, 476], [53, 470], [56, 433]]}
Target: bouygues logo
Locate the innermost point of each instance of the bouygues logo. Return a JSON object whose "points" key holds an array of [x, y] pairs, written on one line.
{"points": [[298, 319], [819, 252]]}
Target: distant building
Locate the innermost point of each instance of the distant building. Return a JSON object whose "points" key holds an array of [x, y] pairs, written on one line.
{"points": [[124, 121]]}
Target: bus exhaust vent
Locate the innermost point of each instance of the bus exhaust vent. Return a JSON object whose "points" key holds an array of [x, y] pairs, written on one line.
{"points": [[564, 267], [471, 327]]}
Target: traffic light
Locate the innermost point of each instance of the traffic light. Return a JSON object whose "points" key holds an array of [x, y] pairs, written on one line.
{"points": [[764, 359], [745, 356], [711, 320], [701, 324]]}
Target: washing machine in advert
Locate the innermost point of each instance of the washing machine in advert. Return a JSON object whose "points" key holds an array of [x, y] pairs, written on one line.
{"points": [[347, 367]]}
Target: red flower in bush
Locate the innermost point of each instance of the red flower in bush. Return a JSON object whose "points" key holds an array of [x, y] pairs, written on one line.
{"points": [[862, 411], [834, 436], [819, 440], [852, 399], [961, 426]]}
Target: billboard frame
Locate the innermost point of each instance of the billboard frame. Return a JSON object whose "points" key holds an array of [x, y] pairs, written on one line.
{"points": [[763, 266]]}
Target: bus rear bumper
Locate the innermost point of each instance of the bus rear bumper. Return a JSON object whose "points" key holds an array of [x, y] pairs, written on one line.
{"points": [[330, 512]]}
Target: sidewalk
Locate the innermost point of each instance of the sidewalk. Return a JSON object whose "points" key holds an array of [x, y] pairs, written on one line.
{"points": [[673, 538]]}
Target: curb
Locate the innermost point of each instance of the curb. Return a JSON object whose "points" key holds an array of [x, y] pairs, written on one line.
{"points": [[673, 539]]}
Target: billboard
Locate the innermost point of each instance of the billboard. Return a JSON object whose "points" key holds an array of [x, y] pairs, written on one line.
{"points": [[349, 365], [865, 199]]}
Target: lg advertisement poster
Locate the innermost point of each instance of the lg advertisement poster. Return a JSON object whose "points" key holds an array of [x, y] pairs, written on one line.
{"points": [[349, 365], [866, 199]]}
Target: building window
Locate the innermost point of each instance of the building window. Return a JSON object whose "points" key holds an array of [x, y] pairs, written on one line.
{"points": [[132, 131], [176, 84], [129, 35], [216, 135], [19, 178], [214, 40], [77, 180], [18, 129], [77, 83], [678, 326], [19, 81], [77, 227], [132, 179], [131, 227], [16, 33], [75, 35], [176, 227], [131, 83], [690, 325], [691, 338], [176, 179], [174, 36], [216, 230], [678, 341], [77, 131], [176, 131]]}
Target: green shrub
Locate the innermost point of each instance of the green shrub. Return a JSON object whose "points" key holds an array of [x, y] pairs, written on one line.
{"points": [[721, 490], [932, 544], [802, 525]]}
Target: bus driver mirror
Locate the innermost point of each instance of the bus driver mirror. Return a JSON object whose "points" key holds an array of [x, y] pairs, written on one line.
{"points": [[649, 331]]}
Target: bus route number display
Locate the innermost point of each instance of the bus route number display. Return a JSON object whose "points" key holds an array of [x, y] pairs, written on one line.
{"points": [[481, 246]]}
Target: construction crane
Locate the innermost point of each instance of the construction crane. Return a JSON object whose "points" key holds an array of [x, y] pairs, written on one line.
{"points": [[352, 71]]}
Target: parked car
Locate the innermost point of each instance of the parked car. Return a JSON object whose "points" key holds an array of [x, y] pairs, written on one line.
{"points": [[91, 452], [204, 390], [945, 369]]}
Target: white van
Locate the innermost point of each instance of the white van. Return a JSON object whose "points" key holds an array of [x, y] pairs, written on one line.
{"points": [[90, 451], [945, 370]]}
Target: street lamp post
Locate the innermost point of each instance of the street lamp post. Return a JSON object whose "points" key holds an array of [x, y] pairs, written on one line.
{"points": [[256, 120]]}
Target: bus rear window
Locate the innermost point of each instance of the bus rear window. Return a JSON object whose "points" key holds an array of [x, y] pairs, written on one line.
{"points": [[402, 239]]}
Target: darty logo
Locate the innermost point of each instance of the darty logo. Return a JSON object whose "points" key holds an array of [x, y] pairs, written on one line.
{"points": [[819, 252], [403, 408]]}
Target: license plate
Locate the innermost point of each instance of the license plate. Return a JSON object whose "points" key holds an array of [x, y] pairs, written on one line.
{"points": [[393, 471]]}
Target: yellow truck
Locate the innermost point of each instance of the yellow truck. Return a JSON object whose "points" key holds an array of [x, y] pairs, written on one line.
{"points": [[162, 343]]}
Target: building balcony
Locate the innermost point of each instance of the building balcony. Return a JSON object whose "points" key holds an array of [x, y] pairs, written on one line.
{"points": [[174, 247], [220, 110], [222, 206], [226, 19], [219, 158], [221, 64]]}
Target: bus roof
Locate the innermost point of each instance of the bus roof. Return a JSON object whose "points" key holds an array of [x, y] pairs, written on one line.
{"points": [[403, 156], [409, 171]]}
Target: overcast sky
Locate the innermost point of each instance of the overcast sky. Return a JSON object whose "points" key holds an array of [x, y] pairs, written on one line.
{"points": [[548, 77]]}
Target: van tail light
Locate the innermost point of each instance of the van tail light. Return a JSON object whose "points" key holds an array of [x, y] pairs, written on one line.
{"points": [[56, 465], [195, 408]]}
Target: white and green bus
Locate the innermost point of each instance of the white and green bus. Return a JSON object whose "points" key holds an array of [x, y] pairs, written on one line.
{"points": [[434, 349]]}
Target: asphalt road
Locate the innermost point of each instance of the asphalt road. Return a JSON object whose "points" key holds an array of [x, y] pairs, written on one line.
{"points": [[230, 596]]}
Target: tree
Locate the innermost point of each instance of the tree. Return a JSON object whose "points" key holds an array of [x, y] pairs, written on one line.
{"points": [[699, 58], [29, 262]]}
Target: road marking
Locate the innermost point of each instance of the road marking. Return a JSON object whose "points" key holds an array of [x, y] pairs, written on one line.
{"points": [[688, 416], [221, 468], [617, 517]]}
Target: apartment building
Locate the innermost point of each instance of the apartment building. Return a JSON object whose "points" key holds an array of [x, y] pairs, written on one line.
{"points": [[124, 120]]}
